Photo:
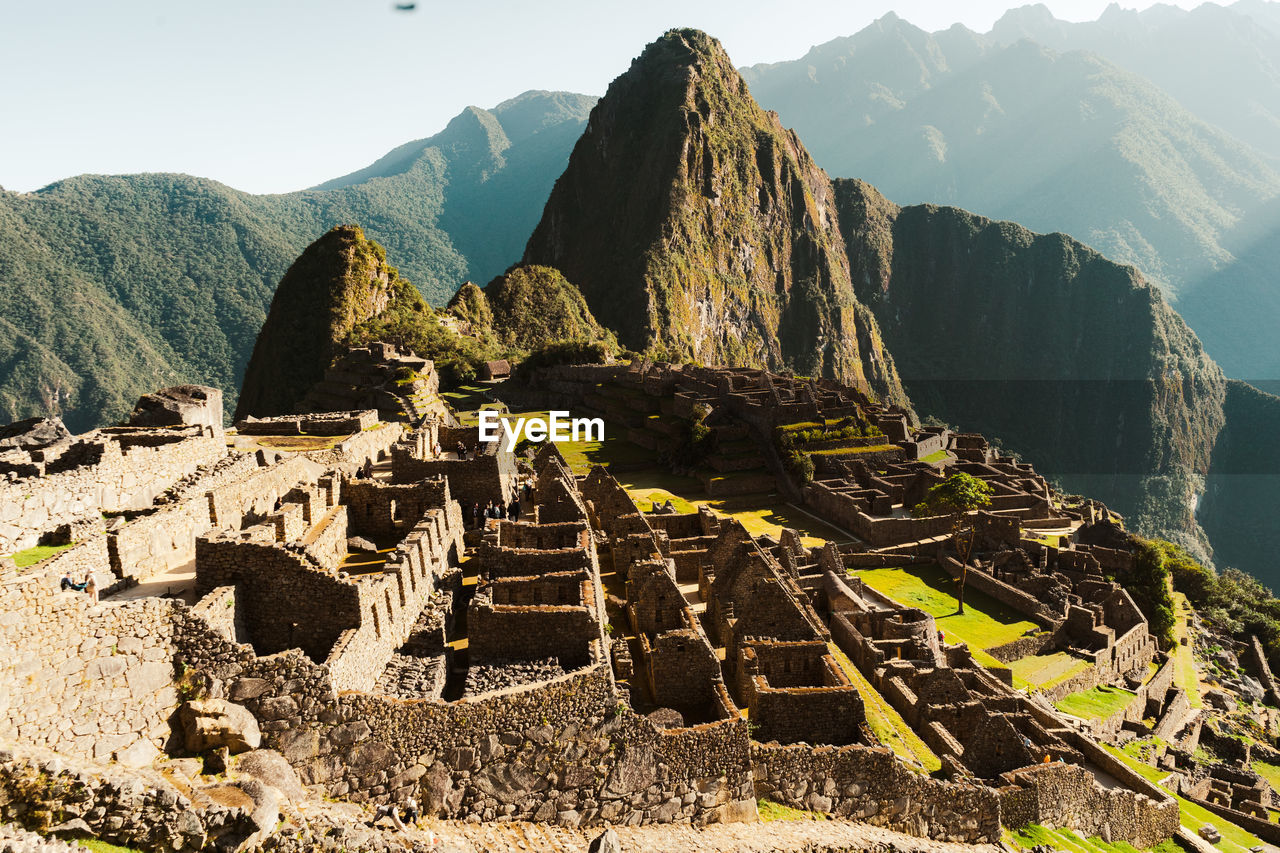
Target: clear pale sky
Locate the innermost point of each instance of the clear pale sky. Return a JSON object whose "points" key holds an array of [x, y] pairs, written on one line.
{"points": [[277, 95]]}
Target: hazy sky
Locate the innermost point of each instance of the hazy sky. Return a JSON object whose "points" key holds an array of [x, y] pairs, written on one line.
{"points": [[277, 95]]}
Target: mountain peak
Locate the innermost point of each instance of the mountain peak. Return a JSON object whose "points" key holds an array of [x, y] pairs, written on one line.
{"points": [[697, 227], [340, 281]]}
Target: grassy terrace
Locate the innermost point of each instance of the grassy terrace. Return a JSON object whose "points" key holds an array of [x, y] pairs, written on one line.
{"points": [[1270, 772], [985, 623], [1097, 703], [885, 722], [1069, 842], [1039, 672], [1185, 676], [39, 553], [1234, 839], [849, 451], [770, 811]]}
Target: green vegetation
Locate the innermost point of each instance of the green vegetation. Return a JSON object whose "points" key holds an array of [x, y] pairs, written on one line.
{"points": [[885, 722], [1096, 703], [1234, 839], [687, 272], [1186, 676], [986, 623], [37, 554], [1034, 835], [1230, 599], [103, 847], [956, 497], [531, 306], [846, 429], [1039, 672], [114, 286], [936, 456], [770, 811]]}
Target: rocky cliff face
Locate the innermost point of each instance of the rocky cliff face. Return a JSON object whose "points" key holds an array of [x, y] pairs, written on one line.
{"points": [[698, 228], [1243, 488], [1070, 359], [341, 281]]}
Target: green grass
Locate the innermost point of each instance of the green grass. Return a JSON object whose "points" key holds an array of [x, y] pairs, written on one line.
{"points": [[1096, 703], [1069, 842], [936, 456], [1038, 672], [39, 553], [884, 721], [1270, 772], [1186, 676], [771, 811], [103, 847], [1234, 839], [985, 623], [847, 451]]}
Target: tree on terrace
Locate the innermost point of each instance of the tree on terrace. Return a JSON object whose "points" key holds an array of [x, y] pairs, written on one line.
{"points": [[956, 497]]}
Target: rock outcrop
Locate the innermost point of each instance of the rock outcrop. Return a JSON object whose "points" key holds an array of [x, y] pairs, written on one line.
{"points": [[697, 227], [1075, 362], [181, 405], [341, 281], [209, 724]]}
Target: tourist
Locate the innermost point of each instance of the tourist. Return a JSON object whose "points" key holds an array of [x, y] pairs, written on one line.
{"points": [[475, 514], [513, 511], [367, 471], [528, 491], [462, 450], [435, 450], [91, 587], [68, 583], [390, 811], [411, 810]]}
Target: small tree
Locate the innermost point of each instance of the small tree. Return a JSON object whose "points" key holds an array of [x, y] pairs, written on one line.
{"points": [[955, 497]]}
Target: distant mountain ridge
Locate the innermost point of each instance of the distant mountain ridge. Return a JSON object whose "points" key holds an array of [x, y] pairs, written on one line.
{"points": [[113, 285], [1055, 141]]}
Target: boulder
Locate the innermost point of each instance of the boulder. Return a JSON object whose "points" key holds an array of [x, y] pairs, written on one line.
{"points": [[1251, 689], [33, 434], [140, 754], [605, 842], [270, 768], [359, 543], [209, 724], [1221, 700], [181, 405]]}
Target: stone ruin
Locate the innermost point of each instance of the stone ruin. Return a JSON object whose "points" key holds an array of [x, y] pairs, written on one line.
{"points": [[590, 663]]}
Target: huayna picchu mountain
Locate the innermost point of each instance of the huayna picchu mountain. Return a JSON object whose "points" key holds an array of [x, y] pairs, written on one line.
{"points": [[697, 227]]}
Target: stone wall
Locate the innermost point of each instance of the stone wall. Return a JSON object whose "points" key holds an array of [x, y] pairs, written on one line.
{"points": [[1068, 796], [477, 480], [566, 750], [796, 692], [108, 471], [871, 784], [91, 680], [843, 511], [116, 804], [285, 602], [383, 509]]}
